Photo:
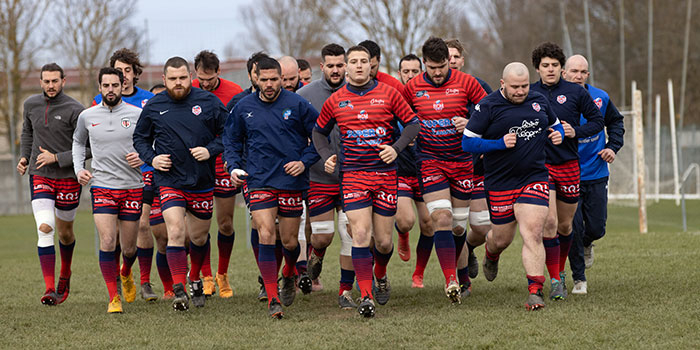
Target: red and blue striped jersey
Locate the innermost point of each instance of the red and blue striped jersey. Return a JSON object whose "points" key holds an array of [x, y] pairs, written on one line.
{"points": [[436, 106], [366, 120]]}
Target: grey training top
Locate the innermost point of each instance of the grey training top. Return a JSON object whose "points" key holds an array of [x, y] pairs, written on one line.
{"points": [[49, 124], [317, 92], [111, 133]]}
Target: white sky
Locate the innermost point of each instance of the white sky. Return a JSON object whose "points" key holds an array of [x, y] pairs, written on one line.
{"points": [[184, 27]]}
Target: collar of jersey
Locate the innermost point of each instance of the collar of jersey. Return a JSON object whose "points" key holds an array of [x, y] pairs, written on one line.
{"points": [[365, 92], [447, 78]]}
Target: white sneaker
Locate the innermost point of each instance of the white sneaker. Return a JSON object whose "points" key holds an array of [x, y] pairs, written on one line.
{"points": [[588, 255], [580, 287]]}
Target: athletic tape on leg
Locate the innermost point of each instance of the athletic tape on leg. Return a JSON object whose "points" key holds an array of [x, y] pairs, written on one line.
{"points": [[66, 215], [440, 204], [460, 218], [44, 214], [322, 227], [345, 239], [479, 218]]}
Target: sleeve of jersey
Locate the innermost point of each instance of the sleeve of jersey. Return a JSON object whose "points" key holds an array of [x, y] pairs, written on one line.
{"points": [[80, 136], [309, 116], [143, 137], [471, 138], [615, 124], [215, 147], [323, 128], [474, 90], [409, 120], [553, 120], [233, 138], [594, 119], [407, 95]]}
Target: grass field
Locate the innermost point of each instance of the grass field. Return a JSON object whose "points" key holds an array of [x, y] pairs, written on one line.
{"points": [[643, 293]]}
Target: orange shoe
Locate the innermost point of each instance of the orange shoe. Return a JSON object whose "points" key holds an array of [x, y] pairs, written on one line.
{"points": [[417, 281], [168, 295]]}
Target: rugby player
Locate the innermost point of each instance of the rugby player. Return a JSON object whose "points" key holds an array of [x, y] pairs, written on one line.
{"points": [[594, 155], [305, 73], [366, 111], [441, 96], [185, 123], [409, 67], [569, 101], [116, 180], [274, 127], [290, 73], [206, 66], [511, 127], [45, 151], [376, 58]]}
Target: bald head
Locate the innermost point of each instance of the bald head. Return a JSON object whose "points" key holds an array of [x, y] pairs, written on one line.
{"points": [[576, 70], [515, 84], [290, 72]]}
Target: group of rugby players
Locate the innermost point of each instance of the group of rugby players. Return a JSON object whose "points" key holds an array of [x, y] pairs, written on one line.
{"points": [[356, 142]]}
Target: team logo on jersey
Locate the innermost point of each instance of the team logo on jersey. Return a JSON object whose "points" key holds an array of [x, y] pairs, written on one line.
{"points": [[196, 110], [381, 131], [422, 93], [561, 99], [143, 102], [528, 129], [287, 112], [536, 106], [376, 101], [126, 122], [438, 105], [363, 115], [598, 102], [449, 92], [477, 107], [346, 103]]}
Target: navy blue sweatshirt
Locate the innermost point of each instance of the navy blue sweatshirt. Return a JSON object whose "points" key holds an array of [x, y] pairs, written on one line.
{"points": [[173, 127], [570, 102], [274, 134]]}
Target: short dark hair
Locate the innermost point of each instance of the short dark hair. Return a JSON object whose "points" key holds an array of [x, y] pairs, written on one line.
{"points": [[157, 86], [455, 44], [332, 50], [51, 67], [410, 57], [129, 57], [357, 48], [207, 60], [267, 62], [435, 49], [254, 58], [175, 62], [373, 48], [303, 64], [548, 49], [110, 71]]}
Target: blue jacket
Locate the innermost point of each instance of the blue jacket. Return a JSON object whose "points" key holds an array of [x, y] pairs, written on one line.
{"points": [[235, 99], [570, 101], [593, 167], [173, 127], [273, 133]]}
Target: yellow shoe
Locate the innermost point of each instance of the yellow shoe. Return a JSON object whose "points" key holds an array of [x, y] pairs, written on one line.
{"points": [[209, 287], [115, 306], [224, 287], [128, 287]]}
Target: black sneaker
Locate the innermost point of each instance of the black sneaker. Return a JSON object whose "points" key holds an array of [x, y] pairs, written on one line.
{"points": [[490, 269], [275, 309], [181, 302], [262, 296], [314, 266], [366, 308], [382, 290], [198, 297], [305, 283], [473, 265], [288, 290], [49, 298]]}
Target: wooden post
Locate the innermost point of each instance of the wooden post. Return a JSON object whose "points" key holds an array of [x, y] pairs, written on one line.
{"points": [[641, 173]]}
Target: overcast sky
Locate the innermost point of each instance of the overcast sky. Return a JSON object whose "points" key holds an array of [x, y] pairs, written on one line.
{"points": [[184, 27]]}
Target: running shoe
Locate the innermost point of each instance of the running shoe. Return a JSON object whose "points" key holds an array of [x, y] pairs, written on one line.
{"points": [[473, 265], [115, 306], [588, 255], [366, 307], [382, 290], [535, 301], [208, 286], [147, 293], [580, 287], [262, 295], [63, 289], [288, 290], [181, 302], [225, 290], [129, 287], [49, 297], [345, 301], [314, 265], [452, 290], [275, 309], [198, 296], [557, 291], [417, 281], [305, 284], [490, 269]]}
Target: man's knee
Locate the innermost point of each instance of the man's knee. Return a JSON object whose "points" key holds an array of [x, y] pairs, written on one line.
{"points": [[404, 223], [460, 218], [441, 212]]}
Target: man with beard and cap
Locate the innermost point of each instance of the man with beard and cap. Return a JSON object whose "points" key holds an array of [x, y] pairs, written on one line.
{"points": [[274, 127], [178, 133], [290, 73], [511, 127], [116, 180], [45, 151], [324, 189], [206, 66]]}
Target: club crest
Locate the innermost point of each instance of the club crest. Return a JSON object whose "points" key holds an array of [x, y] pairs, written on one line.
{"points": [[196, 110]]}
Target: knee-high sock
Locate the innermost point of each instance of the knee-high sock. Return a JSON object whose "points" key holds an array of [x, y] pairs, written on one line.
{"points": [[145, 256], [66, 258], [177, 260], [551, 260], [254, 243], [164, 271], [362, 263], [381, 260], [225, 245], [290, 260], [423, 250], [347, 277], [108, 267], [463, 276], [268, 269], [279, 253], [197, 256], [206, 263], [445, 250], [128, 263], [47, 260], [564, 247], [459, 245]]}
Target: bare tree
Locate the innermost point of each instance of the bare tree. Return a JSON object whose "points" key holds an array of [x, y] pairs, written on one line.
{"points": [[90, 31]]}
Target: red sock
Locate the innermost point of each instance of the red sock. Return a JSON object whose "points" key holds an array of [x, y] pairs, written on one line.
{"points": [[197, 256], [66, 258], [108, 268], [145, 256], [267, 265], [445, 251], [225, 245], [290, 261], [279, 254], [362, 263], [489, 255], [564, 246], [177, 260], [206, 263], [381, 261], [534, 283], [423, 250], [128, 263], [319, 252], [164, 272], [47, 260], [551, 250]]}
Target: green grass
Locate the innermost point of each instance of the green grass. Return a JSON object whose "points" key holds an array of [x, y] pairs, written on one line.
{"points": [[643, 293]]}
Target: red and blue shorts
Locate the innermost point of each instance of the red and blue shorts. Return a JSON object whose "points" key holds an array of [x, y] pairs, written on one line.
{"points": [[223, 186], [288, 203], [565, 178], [501, 202], [198, 203], [323, 198], [155, 216], [64, 192], [478, 190], [362, 189], [438, 175], [126, 204], [409, 187]]}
